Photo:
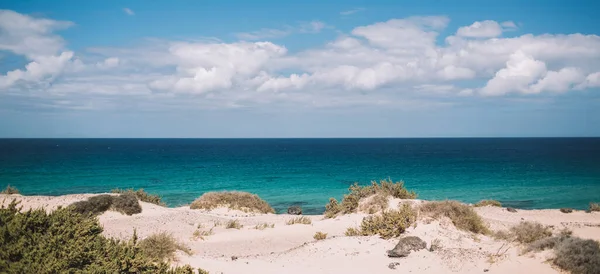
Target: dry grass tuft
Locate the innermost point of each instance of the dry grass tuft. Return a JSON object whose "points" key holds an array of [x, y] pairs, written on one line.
{"points": [[503, 235], [436, 244], [350, 202], [320, 236], [351, 231], [264, 226], [299, 220], [529, 232], [488, 203], [10, 190], [201, 234], [162, 246], [388, 224], [462, 216], [233, 224], [244, 201], [141, 195], [594, 207]]}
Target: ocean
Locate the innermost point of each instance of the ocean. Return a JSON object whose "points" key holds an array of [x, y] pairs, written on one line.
{"points": [[520, 172]]}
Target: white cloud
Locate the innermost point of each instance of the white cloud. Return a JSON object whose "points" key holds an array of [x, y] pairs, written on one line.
{"points": [[483, 29], [351, 11], [110, 62], [521, 70], [509, 25], [128, 11]]}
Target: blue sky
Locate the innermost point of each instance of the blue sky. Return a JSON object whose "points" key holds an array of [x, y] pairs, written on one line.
{"points": [[299, 69]]}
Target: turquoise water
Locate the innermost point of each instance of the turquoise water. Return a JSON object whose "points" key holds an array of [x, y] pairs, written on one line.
{"points": [[523, 173]]}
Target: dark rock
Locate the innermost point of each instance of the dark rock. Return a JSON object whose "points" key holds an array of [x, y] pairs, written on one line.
{"points": [[510, 209], [566, 210], [233, 258], [406, 245], [393, 265], [486, 270], [294, 210]]}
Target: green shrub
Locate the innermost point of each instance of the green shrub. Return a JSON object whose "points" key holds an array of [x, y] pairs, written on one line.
{"points": [[320, 236], [566, 210], [162, 247], [350, 202], [94, 205], [351, 231], [234, 200], [299, 220], [10, 190], [529, 232], [488, 203], [389, 224], [573, 254], [594, 207], [126, 203], [141, 195], [462, 216], [65, 241]]}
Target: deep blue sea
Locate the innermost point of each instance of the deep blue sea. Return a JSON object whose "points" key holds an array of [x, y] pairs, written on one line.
{"points": [[520, 172]]}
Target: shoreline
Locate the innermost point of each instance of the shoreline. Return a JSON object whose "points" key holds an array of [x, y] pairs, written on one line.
{"points": [[292, 248]]}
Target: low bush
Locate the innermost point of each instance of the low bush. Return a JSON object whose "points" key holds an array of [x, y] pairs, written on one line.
{"points": [[299, 220], [375, 203], [162, 247], [233, 224], [594, 207], [64, 241], [488, 203], [320, 236], [10, 190], [351, 231], [141, 195], [350, 202], [234, 200], [462, 216], [388, 224], [126, 203], [575, 255], [566, 210], [529, 232], [94, 205]]}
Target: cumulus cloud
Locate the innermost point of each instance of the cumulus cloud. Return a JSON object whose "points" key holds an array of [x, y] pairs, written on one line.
{"points": [[375, 63]]}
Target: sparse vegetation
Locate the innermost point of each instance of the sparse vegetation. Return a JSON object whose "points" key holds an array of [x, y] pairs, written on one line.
{"points": [[201, 234], [384, 189], [351, 231], [594, 207], [299, 220], [529, 232], [162, 247], [233, 224], [10, 190], [503, 235], [436, 244], [320, 236], [388, 224], [264, 226], [571, 253], [141, 195], [462, 216], [244, 201], [94, 205], [375, 203], [64, 241], [488, 203], [566, 210], [126, 203]]}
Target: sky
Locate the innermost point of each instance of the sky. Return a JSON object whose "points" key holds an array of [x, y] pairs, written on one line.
{"points": [[261, 69]]}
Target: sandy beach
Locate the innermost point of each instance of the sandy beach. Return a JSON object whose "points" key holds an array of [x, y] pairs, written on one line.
{"points": [[291, 248]]}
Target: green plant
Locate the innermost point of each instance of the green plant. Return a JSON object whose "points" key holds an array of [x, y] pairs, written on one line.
{"points": [[320, 236], [126, 203], [488, 203], [529, 232], [162, 246], [594, 207], [234, 200], [141, 195], [10, 190], [64, 241], [462, 216], [573, 254], [233, 224], [351, 231], [389, 224], [375, 203], [332, 208], [94, 205], [299, 220]]}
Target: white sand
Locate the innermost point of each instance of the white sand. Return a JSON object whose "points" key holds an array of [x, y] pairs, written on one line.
{"points": [[292, 249]]}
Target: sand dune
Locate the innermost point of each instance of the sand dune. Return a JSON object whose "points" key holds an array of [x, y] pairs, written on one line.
{"points": [[292, 249]]}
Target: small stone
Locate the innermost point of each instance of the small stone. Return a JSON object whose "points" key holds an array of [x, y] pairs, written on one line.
{"points": [[486, 270], [233, 258], [406, 245], [294, 210], [510, 209]]}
